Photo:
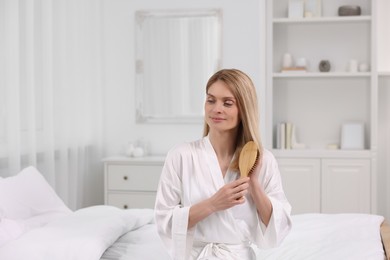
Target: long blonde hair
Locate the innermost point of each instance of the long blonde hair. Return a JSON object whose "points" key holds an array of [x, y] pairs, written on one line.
{"points": [[244, 92]]}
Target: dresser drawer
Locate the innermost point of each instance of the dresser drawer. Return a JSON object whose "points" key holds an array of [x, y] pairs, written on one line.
{"points": [[132, 200], [133, 177]]}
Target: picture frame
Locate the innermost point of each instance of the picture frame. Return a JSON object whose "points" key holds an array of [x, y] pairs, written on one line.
{"points": [[295, 8], [352, 136]]}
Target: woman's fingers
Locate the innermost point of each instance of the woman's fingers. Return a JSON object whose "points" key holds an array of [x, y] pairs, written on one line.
{"points": [[239, 182], [240, 189], [231, 194]]}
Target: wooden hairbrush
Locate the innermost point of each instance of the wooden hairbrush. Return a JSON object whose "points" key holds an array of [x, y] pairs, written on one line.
{"points": [[249, 156]]}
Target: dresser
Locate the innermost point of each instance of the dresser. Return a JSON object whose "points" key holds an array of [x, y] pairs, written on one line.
{"points": [[131, 182]]}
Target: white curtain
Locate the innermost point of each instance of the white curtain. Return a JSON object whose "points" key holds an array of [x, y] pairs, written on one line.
{"points": [[51, 94]]}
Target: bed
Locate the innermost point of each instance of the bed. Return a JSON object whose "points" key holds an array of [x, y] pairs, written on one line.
{"points": [[36, 224]]}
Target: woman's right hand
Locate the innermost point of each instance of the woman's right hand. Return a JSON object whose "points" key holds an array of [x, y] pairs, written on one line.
{"points": [[226, 197], [230, 194]]}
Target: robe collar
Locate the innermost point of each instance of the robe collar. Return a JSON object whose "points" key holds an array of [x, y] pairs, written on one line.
{"points": [[213, 164]]}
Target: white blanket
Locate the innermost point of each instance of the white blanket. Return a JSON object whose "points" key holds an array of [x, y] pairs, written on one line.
{"points": [[84, 234], [331, 236]]}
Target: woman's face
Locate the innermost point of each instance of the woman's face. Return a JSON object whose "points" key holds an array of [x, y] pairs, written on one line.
{"points": [[221, 110]]}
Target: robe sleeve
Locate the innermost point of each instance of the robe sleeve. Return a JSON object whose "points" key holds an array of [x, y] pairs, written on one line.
{"points": [[280, 223], [170, 215]]}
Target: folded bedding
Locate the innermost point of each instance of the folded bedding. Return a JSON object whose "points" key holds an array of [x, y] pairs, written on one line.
{"points": [[82, 235]]}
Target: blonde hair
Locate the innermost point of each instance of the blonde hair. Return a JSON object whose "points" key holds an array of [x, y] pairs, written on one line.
{"points": [[245, 94]]}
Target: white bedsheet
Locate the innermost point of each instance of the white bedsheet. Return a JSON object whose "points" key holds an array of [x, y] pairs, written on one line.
{"points": [[82, 235], [331, 237], [313, 236], [142, 243]]}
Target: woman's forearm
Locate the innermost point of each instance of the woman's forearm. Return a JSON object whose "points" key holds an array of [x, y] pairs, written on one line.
{"points": [[262, 202], [199, 212]]}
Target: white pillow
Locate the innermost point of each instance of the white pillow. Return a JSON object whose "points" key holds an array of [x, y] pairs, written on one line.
{"points": [[9, 230], [27, 195]]}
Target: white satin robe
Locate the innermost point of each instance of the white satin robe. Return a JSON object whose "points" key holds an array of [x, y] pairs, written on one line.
{"points": [[191, 174]]}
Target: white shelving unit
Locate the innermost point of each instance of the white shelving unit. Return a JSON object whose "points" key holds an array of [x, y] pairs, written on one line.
{"points": [[318, 103]]}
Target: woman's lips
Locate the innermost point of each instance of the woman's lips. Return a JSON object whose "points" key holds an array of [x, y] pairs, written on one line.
{"points": [[217, 119]]}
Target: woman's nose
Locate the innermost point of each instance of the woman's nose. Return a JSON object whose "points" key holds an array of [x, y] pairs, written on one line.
{"points": [[218, 107]]}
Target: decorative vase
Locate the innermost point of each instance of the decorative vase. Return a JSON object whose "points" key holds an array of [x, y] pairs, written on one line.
{"points": [[287, 60], [324, 66], [138, 152]]}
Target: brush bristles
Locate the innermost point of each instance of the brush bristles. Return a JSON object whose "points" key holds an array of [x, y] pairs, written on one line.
{"points": [[255, 164]]}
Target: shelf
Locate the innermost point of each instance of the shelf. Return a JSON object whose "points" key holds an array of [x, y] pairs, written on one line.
{"points": [[335, 19], [384, 73], [320, 74], [309, 153]]}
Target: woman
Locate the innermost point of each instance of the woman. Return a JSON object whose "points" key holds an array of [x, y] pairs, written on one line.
{"points": [[204, 210]]}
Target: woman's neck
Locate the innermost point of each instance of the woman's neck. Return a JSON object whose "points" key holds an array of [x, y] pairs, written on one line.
{"points": [[224, 144]]}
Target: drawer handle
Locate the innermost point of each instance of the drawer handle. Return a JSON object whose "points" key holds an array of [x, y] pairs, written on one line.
{"points": [[125, 178], [125, 206]]}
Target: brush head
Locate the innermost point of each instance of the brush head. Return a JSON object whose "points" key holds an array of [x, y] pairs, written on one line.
{"points": [[248, 158]]}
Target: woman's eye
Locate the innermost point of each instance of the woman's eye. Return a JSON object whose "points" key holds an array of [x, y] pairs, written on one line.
{"points": [[210, 101], [228, 104]]}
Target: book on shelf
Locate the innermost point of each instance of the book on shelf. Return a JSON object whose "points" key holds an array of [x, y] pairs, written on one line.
{"points": [[281, 136], [293, 69], [286, 137]]}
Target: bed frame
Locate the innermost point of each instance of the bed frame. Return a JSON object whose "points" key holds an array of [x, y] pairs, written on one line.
{"points": [[385, 234]]}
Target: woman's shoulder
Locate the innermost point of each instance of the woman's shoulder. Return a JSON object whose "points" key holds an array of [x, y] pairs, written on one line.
{"points": [[185, 148], [181, 155], [268, 156]]}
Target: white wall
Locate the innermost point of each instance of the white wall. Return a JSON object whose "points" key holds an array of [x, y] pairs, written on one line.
{"points": [[383, 50], [384, 147], [383, 11], [242, 45]]}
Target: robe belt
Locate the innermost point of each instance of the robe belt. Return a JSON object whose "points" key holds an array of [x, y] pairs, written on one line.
{"points": [[220, 250]]}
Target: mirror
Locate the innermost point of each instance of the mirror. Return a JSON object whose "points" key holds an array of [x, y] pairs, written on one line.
{"points": [[176, 53]]}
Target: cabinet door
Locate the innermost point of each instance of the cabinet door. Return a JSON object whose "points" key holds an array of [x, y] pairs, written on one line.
{"points": [[301, 183], [345, 186]]}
